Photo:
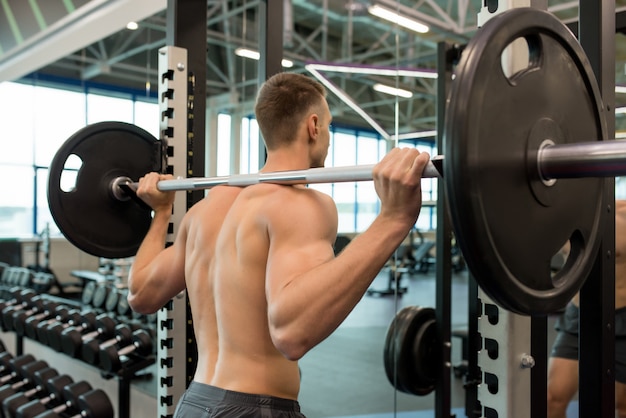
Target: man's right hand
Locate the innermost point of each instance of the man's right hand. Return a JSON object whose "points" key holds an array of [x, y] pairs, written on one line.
{"points": [[397, 179]]}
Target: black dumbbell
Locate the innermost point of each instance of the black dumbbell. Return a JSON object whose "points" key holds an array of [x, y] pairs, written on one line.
{"points": [[16, 295], [53, 389], [93, 404], [12, 366], [90, 350], [34, 305], [31, 324], [72, 339], [20, 317], [64, 401], [20, 300], [113, 358], [24, 379], [61, 317], [13, 401], [86, 321]]}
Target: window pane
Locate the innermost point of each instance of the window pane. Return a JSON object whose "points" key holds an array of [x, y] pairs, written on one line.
{"points": [[17, 123], [16, 208], [147, 117], [104, 108], [58, 114], [344, 196], [344, 149], [250, 138], [223, 144]]}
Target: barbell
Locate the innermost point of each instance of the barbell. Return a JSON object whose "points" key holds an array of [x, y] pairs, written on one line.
{"points": [[524, 160]]}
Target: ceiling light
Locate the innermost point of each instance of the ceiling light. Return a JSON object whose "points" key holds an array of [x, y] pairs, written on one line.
{"points": [[132, 26], [374, 70], [393, 91], [394, 17], [255, 55]]}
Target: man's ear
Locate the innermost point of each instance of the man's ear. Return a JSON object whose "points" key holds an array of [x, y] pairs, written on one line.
{"points": [[313, 125]]}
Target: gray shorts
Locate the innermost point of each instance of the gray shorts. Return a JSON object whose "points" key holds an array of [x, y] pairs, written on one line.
{"points": [[204, 401], [566, 342]]}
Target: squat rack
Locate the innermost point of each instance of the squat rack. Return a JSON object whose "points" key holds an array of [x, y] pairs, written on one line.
{"points": [[186, 40]]}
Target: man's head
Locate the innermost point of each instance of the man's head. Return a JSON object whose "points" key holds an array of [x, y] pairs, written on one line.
{"points": [[289, 104]]}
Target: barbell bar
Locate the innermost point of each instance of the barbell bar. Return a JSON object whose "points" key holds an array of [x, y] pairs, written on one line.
{"points": [[591, 159]]}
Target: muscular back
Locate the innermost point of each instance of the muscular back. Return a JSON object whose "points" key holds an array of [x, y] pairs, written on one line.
{"points": [[227, 289]]}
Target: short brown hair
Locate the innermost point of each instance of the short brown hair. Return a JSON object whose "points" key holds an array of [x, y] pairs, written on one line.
{"points": [[283, 100]]}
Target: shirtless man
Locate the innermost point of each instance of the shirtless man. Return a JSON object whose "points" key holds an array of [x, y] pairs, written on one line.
{"points": [[563, 364], [258, 263]]}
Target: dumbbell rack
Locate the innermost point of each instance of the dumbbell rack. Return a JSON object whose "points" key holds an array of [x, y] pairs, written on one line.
{"points": [[124, 376]]}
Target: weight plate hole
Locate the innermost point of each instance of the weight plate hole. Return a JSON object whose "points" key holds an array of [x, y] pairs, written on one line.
{"points": [[70, 173], [520, 56]]}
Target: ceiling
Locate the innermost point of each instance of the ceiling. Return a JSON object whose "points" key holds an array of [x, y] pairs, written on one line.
{"points": [[104, 51]]}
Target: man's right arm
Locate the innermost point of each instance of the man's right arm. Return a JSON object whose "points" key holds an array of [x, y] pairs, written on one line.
{"points": [[309, 291]]}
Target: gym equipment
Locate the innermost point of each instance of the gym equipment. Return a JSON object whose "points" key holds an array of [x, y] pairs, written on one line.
{"points": [[412, 353], [11, 401], [72, 339], [91, 348], [13, 366], [32, 324], [34, 305], [541, 140], [107, 237], [23, 379], [62, 400], [85, 321], [113, 359], [20, 317], [22, 321], [92, 404], [43, 328], [53, 389]]}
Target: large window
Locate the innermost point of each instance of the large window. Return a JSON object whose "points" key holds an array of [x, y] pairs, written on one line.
{"points": [[36, 119], [47, 116]]}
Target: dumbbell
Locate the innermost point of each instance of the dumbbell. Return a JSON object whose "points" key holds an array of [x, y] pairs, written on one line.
{"points": [[113, 358], [61, 312], [62, 401], [93, 404], [90, 350], [24, 379], [11, 365], [21, 321], [53, 390], [100, 295], [72, 339], [17, 296], [87, 321], [34, 305], [20, 317], [14, 400], [64, 316]]}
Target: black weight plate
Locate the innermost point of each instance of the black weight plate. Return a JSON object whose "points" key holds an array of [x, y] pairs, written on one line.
{"points": [[409, 331], [507, 222], [89, 216], [427, 356]]}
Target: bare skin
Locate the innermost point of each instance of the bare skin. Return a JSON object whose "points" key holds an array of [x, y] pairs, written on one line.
{"points": [[563, 373], [259, 268]]}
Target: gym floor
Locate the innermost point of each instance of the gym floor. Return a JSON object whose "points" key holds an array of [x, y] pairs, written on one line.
{"points": [[345, 376]]}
